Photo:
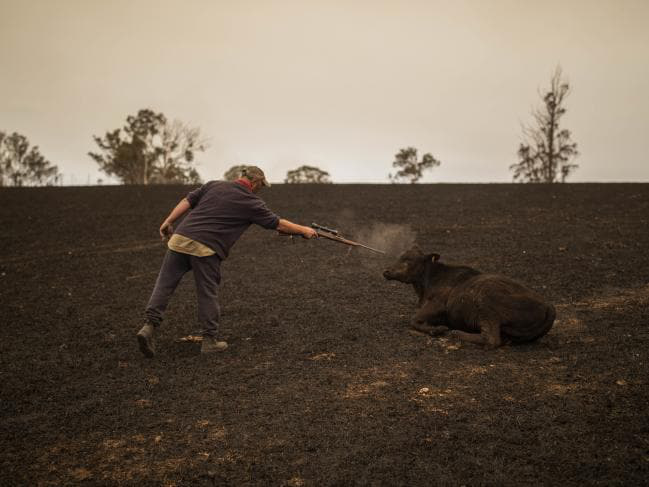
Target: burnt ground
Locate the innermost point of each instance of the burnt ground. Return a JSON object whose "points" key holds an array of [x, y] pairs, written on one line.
{"points": [[323, 383]]}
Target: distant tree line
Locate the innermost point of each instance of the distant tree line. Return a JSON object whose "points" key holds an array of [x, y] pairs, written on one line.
{"points": [[307, 174], [300, 175], [544, 156], [24, 165], [150, 149]]}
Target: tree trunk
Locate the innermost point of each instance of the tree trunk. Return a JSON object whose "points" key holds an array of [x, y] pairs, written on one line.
{"points": [[550, 175]]}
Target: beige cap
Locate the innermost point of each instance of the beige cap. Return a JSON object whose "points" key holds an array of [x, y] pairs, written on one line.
{"points": [[253, 173]]}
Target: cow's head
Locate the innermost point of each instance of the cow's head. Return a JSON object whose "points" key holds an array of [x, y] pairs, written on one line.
{"points": [[411, 266]]}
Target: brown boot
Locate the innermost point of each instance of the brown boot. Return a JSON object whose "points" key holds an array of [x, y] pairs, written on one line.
{"points": [[146, 340], [211, 344]]}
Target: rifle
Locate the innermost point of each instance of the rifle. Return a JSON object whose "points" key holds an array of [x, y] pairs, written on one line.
{"points": [[331, 234]]}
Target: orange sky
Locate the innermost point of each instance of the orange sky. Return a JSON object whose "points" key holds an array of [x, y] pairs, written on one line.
{"points": [[340, 85]]}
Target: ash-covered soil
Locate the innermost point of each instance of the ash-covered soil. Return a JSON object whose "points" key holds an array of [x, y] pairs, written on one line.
{"points": [[323, 383]]}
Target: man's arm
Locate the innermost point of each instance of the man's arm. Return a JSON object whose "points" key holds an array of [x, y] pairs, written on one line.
{"points": [[166, 229], [291, 228]]}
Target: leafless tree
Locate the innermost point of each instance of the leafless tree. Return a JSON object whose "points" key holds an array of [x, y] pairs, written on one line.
{"points": [[175, 159], [547, 150]]}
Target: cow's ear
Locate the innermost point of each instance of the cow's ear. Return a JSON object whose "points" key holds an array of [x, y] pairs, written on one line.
{"points": [[433, 257]]}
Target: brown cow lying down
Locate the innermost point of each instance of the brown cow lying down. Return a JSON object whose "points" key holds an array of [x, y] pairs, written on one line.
{"points": [[480, 308]]}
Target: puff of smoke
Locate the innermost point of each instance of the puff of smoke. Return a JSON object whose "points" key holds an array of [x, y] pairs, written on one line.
{"points": [[392, 238]]}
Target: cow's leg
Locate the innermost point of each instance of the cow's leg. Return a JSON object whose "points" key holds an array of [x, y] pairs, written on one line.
{"points": [[477, 338], [433, 330], [431, 311], [491, 331], [489, 335]]}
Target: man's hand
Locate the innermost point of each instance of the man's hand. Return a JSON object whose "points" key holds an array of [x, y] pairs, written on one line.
{"points": [[308, 232], [166, 229]]}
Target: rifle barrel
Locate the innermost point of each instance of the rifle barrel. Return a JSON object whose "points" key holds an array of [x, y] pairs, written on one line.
{"points": [[338, 238], [372, 249]]}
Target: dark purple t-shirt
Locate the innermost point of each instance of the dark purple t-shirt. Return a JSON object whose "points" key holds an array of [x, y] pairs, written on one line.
{"points": [[221, 212]]}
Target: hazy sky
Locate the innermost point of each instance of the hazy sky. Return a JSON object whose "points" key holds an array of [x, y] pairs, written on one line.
{"points": [[341, 85]]}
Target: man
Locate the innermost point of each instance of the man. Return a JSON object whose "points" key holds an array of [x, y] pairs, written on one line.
{"points": [[219, 213]]}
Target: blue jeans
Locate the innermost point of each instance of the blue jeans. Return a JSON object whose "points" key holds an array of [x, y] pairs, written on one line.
{"points": [[207, 275]]}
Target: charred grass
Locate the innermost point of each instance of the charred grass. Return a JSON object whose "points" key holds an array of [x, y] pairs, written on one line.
{"points": [[323, 383]]}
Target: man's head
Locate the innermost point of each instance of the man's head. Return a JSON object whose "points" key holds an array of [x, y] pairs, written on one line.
{"points": [[256, 177]]}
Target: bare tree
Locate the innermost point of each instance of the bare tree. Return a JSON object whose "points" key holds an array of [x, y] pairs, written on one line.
{"points": [[234, 172], [151, 150], [546, 151], [21, 165], [307, 174], [3, 156], [175, 158], [410, 170]]}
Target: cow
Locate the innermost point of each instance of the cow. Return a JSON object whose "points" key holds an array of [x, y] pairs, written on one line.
{"points": [[486, 309]]}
